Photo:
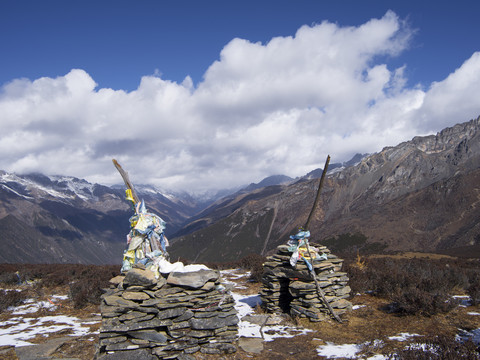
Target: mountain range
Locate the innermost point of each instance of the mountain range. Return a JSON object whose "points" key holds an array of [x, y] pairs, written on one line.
{"points": [[420, 195], [61, 219]]}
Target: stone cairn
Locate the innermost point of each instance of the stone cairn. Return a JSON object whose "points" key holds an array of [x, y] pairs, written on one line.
{"points": [[171, 317], [292, 290]]}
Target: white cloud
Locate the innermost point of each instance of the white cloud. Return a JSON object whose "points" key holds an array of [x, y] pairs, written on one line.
{"points": [[454, 99], [262, 109]]}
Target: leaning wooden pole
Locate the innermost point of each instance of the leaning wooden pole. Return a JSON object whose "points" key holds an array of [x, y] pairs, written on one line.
{"points": [[126, 180], [319, 289], [307, 224], [317, 198]]}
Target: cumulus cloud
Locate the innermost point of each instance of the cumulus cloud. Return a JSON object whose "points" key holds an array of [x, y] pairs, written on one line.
{"points": [[261, 109]]}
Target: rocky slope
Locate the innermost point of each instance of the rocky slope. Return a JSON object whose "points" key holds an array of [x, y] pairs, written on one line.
{"points": [[422, 195]]}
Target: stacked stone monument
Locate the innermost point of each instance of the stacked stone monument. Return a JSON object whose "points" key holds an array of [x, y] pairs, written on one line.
{"points": [[171, 317], [292, 289]]}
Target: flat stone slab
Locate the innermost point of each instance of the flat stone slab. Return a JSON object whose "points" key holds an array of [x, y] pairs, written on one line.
{"points": [[40, 351], [117, 301], [194, 279], [150, 335], [138, 354], [135, 295], [140, 277], [251, 345], [117, 280]]}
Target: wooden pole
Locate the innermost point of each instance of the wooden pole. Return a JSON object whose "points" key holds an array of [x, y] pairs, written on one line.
{"points": [[317, 198], [307, 224], [126, 180], [319, 289]]}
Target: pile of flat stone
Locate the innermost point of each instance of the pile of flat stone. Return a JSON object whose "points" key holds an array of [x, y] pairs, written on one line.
{"points": [[171, 317], [293, 290]]}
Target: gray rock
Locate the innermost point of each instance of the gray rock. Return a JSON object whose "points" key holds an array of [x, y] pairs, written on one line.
{"points": [[40, 351], [214, 322], [126, 345], [178, 333], [140, 354], [112, 340], [187, 315], [150, 335], [150, 302], [179, 325], [201, 333], [135, 295], [209, 286], [218, 348], [114, 325], [161, 281], [343, 291], [140, 277], [171, 313], [251, 345], [194, 279], [116, 280], [165, 291], [137, 315], [192, 350], [301, 285], [136, 288], [118, 301], [142, 343]]}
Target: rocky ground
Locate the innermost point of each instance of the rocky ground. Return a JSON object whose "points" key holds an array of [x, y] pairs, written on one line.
{"points": [[48, 327]]}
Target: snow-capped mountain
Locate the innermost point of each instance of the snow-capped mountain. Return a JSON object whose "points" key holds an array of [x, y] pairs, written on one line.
{"points": [[66, 219]]}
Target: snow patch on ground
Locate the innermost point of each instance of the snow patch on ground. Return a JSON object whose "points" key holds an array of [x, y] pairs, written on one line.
{"points": [[332, 351], [355, 307], [403, 336], [464, 300], [31, 307], [17, 330], [245, 305], [473, 335]]}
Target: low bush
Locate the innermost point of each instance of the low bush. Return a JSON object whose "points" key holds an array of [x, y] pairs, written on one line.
{"points": [[11, 298], [439, 348], [251, 262], [85, 282], [473, 289], [254, 264], [348, 244], [413, 301], [88, 285], [415, 286]]}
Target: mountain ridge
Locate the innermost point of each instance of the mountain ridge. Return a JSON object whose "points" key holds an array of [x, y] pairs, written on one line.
{"points": [[435, 170]]}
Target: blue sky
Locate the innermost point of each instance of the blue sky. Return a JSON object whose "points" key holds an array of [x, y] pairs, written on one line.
{"points": [[119, 41], [207, 94]]}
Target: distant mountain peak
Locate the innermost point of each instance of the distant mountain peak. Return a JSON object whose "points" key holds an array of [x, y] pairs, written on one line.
{"points": [[269, 181], [335, 167]]}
